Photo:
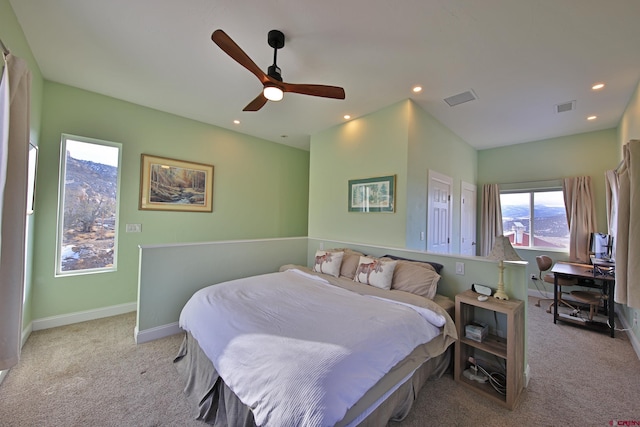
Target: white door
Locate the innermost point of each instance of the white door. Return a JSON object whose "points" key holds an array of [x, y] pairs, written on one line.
{"points": [[468, 219], [439, 213]]}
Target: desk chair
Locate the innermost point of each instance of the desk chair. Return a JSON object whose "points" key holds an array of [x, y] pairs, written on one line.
{"points": [[544, 264]]}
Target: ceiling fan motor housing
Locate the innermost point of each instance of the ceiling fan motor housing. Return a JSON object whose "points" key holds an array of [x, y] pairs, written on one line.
{"points": [[274, 71], [275, 38]]}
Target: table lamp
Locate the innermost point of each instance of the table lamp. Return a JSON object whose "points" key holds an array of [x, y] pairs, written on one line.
{"points": [[502, 251]]}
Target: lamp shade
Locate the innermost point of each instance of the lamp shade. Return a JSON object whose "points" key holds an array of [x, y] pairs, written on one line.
{"points": [[503, 251]]}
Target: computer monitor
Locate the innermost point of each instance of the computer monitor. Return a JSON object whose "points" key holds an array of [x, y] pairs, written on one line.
{"points": [[600, 245]]}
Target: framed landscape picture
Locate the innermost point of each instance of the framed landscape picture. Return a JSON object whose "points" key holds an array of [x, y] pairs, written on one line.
{"points": [[372, 194], [175, 185]]}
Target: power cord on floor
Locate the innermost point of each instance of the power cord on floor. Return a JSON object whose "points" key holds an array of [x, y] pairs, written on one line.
{"points": [[497, 379], [544, 294], [618, 329]]}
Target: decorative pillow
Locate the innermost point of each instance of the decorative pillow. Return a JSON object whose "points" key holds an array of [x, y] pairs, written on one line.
{"points": [[349, 262], [415, 277], [375, 271], [328, 262]]}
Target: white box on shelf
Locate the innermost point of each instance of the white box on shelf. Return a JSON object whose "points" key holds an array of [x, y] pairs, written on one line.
{"points": [[476, 331]]}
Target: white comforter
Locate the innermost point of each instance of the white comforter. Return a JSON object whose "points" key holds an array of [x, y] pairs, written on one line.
{"points": [[297, 350]]}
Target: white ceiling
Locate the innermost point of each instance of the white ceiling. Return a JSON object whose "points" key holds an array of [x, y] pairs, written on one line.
{"points": [[520, 57]]}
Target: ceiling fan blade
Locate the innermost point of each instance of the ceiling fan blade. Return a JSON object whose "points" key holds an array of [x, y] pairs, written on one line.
{"points": [[315, 90], [230, 47], [256, 104]]}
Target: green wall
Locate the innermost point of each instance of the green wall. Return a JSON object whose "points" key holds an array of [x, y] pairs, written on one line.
{"points": [[260, 191], [587, 154], [373, 145], [630, 123], [432, 146], [401, 139]]}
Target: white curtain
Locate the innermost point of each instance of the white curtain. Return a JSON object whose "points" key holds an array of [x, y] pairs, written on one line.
{"points": [[15, 99], [627, 242], [581, 215], [491, 218], [612, 190]]}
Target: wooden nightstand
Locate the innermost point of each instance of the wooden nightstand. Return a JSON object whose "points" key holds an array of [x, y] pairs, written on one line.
{"points": [[510, 349]]}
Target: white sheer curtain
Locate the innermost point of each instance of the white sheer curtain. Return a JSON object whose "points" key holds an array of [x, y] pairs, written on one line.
{"points": [[14, 157], [627, 241], [491, 218], [581, 215]]}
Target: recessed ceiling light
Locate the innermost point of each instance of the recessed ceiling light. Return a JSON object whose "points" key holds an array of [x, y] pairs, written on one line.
{"points": [[237, 122], [346, 117], [597, 86], [592, 117], [417, 89]]}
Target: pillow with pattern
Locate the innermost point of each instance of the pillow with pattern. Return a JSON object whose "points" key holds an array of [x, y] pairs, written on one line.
{"points": [[375, 271], [328, 262]]}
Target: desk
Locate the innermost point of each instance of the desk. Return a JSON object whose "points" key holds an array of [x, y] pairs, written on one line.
{"points": [[587, 277]]}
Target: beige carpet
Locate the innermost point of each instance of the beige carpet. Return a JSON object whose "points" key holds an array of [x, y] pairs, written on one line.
{"points": [[93, 374]]}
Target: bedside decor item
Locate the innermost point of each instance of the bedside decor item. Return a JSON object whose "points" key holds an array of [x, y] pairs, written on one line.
{"points": [[175, 185], [372, 194], [502, 251]]}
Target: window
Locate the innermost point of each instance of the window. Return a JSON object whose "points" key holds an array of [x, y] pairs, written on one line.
{"points": [[87, 206], [535, 218]]}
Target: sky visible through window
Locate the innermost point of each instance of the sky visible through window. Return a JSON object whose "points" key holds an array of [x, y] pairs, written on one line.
{"points": [[546, 198], [96, 153]]}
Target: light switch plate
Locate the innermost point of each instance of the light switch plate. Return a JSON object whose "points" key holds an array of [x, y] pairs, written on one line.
{"points": [[460, 268], [133, 228]]}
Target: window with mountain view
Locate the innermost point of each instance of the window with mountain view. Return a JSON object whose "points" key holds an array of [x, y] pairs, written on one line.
{"points": [[535, 219], [87, 206]]}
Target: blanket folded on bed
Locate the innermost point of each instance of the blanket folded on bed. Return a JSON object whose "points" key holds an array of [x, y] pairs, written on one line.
{"points": [[298, 350]]}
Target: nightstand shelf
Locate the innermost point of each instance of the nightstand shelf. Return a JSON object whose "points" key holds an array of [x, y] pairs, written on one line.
{"points": [[509, 350]]}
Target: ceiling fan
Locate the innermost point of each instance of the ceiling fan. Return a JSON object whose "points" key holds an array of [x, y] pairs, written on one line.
{"points": [[274, 87]]}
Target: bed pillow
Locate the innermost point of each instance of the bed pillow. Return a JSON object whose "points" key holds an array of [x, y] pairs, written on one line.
{"points": [[436, 266], [416, 278], [349, 262], [375, 271], [328, 262]]}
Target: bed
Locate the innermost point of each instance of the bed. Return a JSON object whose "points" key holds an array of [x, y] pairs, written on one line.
{"points": [[349, 341]]}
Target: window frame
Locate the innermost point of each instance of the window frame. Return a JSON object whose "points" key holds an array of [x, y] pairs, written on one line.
{"points": [[61, 197], [532, 188]]}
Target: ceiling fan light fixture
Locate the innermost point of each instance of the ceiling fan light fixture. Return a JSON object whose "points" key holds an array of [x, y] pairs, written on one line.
{"points": [[273, 93]]}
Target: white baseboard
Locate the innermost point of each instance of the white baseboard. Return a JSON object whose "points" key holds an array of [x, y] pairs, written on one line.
{"points": [[82, 316], [25, 334], [157, 332], [539, 294], [635, 343]]}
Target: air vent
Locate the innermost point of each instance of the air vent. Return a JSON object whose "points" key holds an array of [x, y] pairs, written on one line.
{"points": [[565, 106], [461, 98]]}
